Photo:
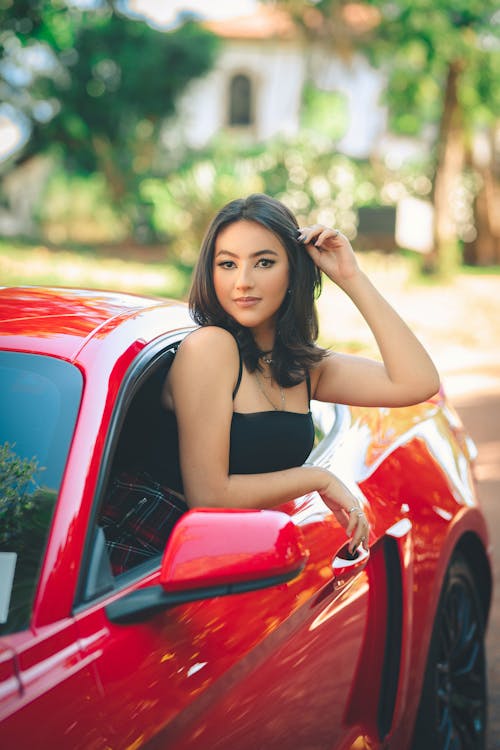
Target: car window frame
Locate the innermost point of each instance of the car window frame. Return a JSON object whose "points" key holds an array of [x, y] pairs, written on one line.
{"points": [[341, 422], [140, 370]]}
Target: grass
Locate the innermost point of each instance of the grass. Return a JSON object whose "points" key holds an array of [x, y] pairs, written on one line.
{"points": [[23, 263], [481, 270]]}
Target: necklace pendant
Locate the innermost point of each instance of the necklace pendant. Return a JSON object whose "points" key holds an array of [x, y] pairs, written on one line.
{"points": [[269, 401], [267, 357]]}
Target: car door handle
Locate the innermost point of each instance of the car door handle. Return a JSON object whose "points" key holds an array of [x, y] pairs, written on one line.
{"points": [[347, 564]]}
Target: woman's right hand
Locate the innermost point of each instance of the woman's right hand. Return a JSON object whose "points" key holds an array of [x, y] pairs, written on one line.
{"points": [[348, 512]]}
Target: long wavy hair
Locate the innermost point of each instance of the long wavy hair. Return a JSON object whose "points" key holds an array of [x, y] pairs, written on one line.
{"points": [[295, 351]]}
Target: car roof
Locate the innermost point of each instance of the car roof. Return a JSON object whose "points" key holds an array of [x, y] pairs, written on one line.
{"points": [[61, 321]]}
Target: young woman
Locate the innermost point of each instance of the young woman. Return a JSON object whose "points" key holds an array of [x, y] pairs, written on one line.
{"points": [[240, 385]]}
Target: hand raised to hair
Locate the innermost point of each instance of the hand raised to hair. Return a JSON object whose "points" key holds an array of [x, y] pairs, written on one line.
{"points": [[331, 251]]}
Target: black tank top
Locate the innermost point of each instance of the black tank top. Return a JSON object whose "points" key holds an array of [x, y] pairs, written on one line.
{"points": [[260, 442], [265, 441]]}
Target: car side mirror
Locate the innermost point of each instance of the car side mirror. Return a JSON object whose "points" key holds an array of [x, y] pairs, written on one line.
{"points": [[214, 552], [212, 548]]}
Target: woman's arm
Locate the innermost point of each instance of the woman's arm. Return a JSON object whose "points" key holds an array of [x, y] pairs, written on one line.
{"points": [[407, 375], [200, 385]]}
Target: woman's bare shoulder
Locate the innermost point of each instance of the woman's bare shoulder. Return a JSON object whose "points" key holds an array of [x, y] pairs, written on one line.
{"points": [[208, 340], [206, 358]]}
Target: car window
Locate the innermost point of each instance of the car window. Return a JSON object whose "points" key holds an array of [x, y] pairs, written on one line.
{"points": [[141, 505], [39, 400]]}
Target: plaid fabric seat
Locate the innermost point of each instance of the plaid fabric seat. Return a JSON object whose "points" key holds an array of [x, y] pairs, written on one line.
{"points": [[137, 518]]}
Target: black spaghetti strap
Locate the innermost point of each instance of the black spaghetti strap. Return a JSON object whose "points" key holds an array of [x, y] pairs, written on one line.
{"points": [[240, 373], [308, 381]]}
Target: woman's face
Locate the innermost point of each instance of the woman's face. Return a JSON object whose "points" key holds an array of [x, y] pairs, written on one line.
{"points": [[251, 274]]}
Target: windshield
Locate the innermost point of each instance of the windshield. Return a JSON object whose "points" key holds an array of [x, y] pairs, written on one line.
{"points": [[39, 400]]}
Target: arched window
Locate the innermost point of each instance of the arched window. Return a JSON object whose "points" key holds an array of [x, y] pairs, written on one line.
{"points": [[240, 101]]}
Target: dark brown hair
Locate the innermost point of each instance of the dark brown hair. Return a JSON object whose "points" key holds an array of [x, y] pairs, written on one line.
{"points": [[295, 351]]}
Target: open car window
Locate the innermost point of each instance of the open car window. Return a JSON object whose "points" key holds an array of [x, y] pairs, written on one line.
{"points": [[140, 506], [136, 510]]}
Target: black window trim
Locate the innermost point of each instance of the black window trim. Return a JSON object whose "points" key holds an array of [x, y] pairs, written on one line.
{"points": [[142, 367], [250, 103]]}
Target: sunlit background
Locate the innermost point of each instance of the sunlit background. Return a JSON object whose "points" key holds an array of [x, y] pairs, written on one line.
{"points": [[125, 127]]}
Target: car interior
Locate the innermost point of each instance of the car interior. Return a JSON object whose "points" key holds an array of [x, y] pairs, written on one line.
{"points": [[140, 426], [136, 500]]}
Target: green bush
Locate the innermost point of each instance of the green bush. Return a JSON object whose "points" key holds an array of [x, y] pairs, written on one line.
{"points": [[77, 208], [318, 185]]}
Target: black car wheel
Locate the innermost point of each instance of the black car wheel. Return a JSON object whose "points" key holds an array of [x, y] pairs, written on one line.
{"points": [[452, 710]]}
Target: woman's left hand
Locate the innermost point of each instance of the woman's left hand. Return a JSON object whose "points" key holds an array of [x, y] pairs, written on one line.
{"points": [[331, 251]]}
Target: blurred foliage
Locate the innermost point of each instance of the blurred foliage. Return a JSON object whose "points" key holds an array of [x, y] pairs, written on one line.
{"points": [[97, 86], [324, 112], [17, 485], [441, 59], [134, 271], [414, 42], [421, 40], [79, 208], [25, 516], [291, 171], [443, 82], [306, 173]]}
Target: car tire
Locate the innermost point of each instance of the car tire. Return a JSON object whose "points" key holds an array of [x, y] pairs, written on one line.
{"points": [[453, 705]]}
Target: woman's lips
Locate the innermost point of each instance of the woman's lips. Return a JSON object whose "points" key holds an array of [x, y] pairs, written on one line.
{"points": [[247, 301]]}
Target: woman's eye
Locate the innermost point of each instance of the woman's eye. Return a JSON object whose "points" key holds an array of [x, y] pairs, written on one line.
{"points": [[266, 262], [226, 264]]}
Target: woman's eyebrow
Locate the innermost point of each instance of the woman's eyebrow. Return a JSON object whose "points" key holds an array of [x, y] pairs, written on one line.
{"points": [[253, 255]]}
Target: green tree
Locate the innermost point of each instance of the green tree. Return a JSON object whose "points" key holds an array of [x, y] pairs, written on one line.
{"points": [[444, 65], [25, 515], [442, 60], [98, 86]]}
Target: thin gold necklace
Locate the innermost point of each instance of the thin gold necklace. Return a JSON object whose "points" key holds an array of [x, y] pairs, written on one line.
{"points": [[282, 394]]}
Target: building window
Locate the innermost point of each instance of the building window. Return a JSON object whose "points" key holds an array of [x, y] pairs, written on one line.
{"points": [[240, 101]]}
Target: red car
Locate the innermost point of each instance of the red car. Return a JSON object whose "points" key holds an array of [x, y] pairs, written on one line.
{"points": [[251, 630]]}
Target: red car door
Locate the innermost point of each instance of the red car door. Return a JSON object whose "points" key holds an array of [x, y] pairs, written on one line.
{"points": [[49, 695], [257, 669], [10, 687]]}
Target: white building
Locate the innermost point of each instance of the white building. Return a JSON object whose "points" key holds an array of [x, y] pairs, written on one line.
{"points": [[257, 83]]}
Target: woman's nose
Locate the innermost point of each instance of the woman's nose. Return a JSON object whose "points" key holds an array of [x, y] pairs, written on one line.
{"points": [[244, 280]]}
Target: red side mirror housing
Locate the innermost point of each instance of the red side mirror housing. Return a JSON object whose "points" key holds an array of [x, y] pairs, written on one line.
{"points": [[213, 547]]}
